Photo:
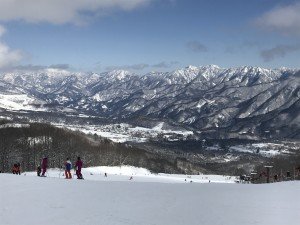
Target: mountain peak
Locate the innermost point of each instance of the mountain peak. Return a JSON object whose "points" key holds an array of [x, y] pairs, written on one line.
{"points": [[190, 67], [118, 74], [212, 66]]}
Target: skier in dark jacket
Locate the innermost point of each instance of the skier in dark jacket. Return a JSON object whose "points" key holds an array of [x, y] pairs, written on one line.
{"points": [[68, 166], [39, 170], [78, 167], [44, 166], [16, 169]]}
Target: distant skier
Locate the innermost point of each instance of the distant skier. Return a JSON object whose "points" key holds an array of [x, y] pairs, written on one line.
{"points": [[44, 166], [131, 178], [78, 166], [68, 166], [105, 174], [16, 169], [38, 171], [298, 171]]}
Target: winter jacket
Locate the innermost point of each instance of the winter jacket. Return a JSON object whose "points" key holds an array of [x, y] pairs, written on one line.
{"points": [[44, 163], [68, 165], [78, 165], [16, 168]]}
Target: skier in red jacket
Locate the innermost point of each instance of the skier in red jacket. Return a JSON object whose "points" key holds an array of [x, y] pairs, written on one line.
{"points": [[16, 169], [78, 166]]}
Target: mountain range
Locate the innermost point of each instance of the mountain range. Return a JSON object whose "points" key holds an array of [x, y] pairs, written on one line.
{"points": [[243, 102]]}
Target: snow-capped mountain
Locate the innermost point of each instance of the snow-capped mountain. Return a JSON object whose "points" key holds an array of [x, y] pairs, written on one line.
{"points": [[245, 102]]}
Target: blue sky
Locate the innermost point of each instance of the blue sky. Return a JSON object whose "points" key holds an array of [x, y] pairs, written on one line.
{"points": [[146, 35]]}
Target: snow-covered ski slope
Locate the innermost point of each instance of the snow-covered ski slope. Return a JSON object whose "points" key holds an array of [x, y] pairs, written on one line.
{"points": [[30, 200], [123, 173]]}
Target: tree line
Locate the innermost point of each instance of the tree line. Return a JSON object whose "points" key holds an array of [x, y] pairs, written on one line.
{"points": [[27, 145]]}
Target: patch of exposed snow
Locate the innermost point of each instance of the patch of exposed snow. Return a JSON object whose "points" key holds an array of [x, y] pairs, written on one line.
{"points": [[264, 149], [14, 125], [19, 102]]}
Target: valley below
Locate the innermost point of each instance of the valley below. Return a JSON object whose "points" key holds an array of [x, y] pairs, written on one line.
{"points": [[193, 120]]}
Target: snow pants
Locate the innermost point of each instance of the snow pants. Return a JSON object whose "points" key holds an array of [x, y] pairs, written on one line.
{"points": [[44, 171], [68, 174], [78, 174]]}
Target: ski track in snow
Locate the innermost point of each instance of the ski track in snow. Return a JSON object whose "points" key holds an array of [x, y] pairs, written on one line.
{"points": [[33, 200]]}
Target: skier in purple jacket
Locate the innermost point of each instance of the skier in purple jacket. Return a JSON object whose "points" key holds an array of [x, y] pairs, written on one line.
{"points": [[78, 166], [44, 166]]}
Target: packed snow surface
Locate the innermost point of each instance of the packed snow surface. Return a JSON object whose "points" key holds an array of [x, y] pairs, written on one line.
{"points": [[32, 200], [123, 173]]}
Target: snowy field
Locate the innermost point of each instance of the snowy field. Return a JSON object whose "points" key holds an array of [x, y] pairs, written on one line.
{"points": [[123, 132], [31, 200], [18, 102], [262, 149]]}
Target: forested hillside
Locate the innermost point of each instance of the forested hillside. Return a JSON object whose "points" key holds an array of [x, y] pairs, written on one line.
{"points": [[28, 143]]}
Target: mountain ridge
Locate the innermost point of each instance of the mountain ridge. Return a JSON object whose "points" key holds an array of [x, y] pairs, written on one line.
{"points": [[207, 99]]}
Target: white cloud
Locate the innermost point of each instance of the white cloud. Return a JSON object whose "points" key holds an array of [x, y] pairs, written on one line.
{"points": [[284, 19], [8, 57], [62, 11]]}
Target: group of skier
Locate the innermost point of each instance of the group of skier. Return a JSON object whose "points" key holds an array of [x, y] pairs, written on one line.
{"points": [[42, 169], [78, 167]]}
